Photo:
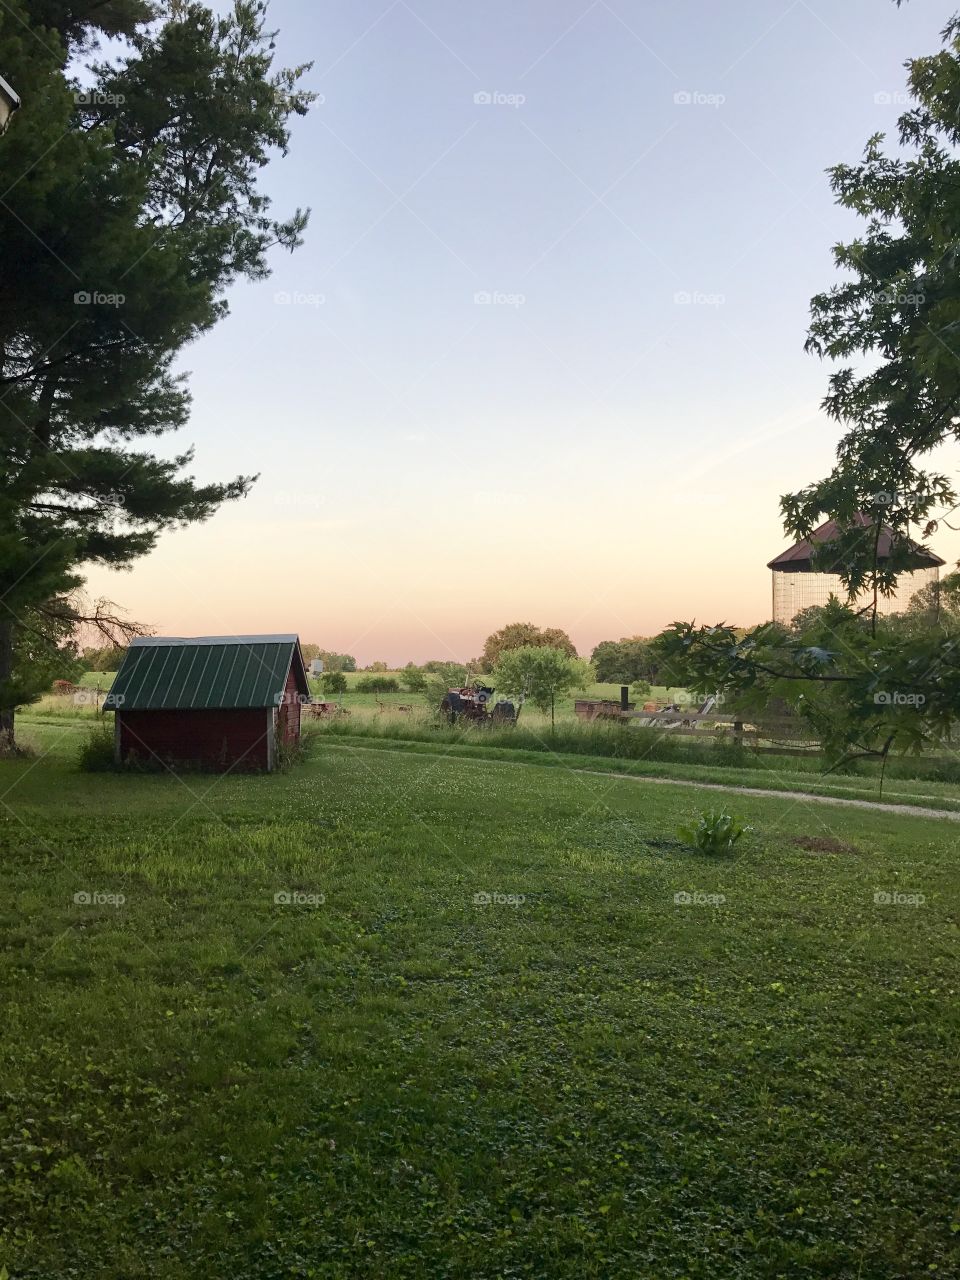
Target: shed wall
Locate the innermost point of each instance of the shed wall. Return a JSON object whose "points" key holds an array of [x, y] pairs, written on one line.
{"points": [[216, 739], [288, 716]]}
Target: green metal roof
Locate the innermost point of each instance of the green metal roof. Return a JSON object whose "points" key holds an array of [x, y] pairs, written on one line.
{"points": [[205, 672]]}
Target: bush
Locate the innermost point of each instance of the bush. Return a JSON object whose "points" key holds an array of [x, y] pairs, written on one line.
{"points": [[96, 752], [287, 754], [377, 684], [333, 683], [714, 832], [414, 680]]}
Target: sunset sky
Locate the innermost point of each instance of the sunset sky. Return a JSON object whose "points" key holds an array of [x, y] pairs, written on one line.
{"points": [[541, 356]]}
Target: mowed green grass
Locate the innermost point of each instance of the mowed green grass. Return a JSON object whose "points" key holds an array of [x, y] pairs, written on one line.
{"points": [[595, 1081], [769, 773]]}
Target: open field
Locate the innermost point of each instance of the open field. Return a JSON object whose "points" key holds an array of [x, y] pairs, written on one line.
{"points": [[91, 679], [642, 752], [595, 1081], [93, 685], [363, 705], [380, 716], [411, 717], [366, 703]]}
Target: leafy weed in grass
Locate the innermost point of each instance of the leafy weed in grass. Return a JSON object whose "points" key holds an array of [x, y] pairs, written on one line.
{"points": [[716, 832], [96, 754]]}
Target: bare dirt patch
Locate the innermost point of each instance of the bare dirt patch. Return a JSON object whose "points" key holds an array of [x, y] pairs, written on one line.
{"points": [[823, 844]]}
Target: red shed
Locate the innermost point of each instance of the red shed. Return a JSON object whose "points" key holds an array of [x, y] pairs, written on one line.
{"points": [[210, 702]]}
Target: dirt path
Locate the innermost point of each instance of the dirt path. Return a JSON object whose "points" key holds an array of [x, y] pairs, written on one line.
{"points": [[911, 810]]}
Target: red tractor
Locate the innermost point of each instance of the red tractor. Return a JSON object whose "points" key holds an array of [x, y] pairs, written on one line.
{"points": [[475, 705]]}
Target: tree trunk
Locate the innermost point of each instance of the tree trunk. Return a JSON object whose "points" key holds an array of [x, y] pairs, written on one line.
{"points": [[6, 670]]}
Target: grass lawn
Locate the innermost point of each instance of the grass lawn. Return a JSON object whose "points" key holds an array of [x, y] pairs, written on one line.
{"points": [[772, 773], [588, 1079], [411, 718]]}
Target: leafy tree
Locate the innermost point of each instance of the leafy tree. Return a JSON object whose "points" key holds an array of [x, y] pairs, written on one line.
{"points": [[332, 661], [378, 666], [899, 301], [866, 687], [938, 600], [413, 679], [541, 674], [452, 674], [132, 206], [625, 661], [639, 661], [103, 658], [333, 683], [438, 677], [44, 647], [44, 650], [519, 635], [893, 324]]}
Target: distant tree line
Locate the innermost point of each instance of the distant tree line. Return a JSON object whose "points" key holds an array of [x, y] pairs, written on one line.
{"points": [[633, 660], [331, 661], [624, 661], [105, 658]]}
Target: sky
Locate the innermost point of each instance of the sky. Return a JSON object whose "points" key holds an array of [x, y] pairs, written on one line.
{"points": [[541, 355]]}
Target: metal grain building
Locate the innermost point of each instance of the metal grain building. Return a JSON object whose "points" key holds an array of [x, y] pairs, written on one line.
{"points": [[797, 584], [209, 702]]}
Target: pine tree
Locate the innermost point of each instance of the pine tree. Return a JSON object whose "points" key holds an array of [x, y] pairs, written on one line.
{"points": [[128, 204]]}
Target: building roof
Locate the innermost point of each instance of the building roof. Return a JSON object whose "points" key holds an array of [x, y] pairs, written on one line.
{"points": [[797, 559], [196, 673]]}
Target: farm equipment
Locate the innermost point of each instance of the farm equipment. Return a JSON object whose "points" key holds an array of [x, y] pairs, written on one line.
{"points": [[475, 704], [670, 716], [326, 710]]}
